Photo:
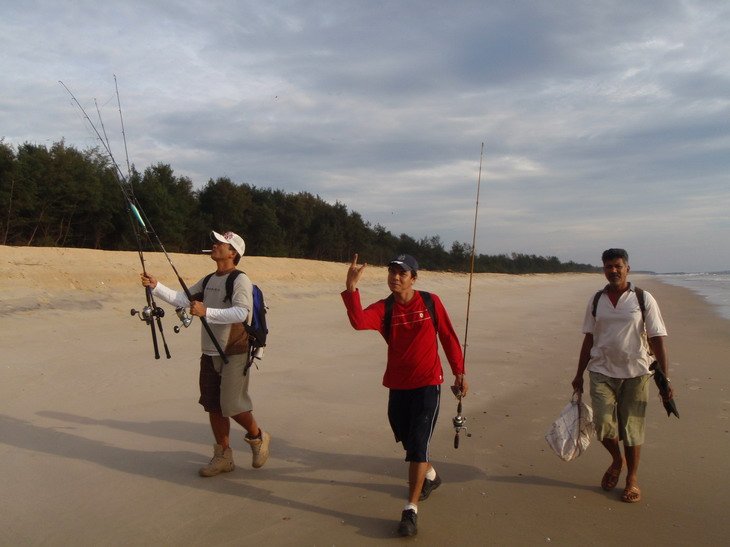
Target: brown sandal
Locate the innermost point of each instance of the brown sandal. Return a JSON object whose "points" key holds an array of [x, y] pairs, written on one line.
{"points": [[610, 479], [632, 494]]}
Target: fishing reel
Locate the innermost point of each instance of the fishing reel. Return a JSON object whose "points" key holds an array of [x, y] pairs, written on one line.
{"points": [[458, 420], [184, 318], [148, 313]]}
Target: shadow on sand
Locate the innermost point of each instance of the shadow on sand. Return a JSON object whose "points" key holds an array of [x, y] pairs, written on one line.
{"points": [[301, 465]]}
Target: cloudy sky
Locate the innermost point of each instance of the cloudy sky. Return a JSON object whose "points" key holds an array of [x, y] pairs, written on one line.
{"points": [[605, 122]]}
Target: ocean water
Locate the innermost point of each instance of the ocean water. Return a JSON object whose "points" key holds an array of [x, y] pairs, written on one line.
{"points": [[715, 287]]}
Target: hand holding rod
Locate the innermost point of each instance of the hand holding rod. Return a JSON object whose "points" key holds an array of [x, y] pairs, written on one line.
{"points": [[139, 214], [149, 314], [156, 313], [203, 321]]}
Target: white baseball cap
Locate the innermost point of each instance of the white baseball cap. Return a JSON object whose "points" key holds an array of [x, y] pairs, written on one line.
{"points": [[234, 240]]}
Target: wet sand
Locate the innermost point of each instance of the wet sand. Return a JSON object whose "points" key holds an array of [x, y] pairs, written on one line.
{"points": [[101, 443]]}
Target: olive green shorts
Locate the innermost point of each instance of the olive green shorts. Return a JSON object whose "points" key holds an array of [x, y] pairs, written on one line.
{"points": [[619, 407]]}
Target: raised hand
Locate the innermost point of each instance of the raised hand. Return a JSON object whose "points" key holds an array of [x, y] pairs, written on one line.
{"points": [[354, 273]]}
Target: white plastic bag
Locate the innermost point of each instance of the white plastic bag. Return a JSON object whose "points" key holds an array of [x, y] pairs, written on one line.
{"points": [[571, 433]]}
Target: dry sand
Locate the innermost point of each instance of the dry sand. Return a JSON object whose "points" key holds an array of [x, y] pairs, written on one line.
{"points": [[100, 443]]}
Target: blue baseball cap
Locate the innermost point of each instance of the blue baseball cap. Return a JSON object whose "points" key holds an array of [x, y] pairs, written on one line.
{"points": [[407, 262]]}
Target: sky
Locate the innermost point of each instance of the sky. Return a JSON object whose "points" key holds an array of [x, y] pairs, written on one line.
{"points": [[604, 123]]}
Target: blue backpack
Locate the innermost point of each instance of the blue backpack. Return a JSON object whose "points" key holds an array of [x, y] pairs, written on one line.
{"points": [[258, 329]]}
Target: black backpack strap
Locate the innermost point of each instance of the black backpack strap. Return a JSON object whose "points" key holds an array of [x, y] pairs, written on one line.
{"points": [[388, 316], [229, 284], [201, 294], [389, 303], [639, 296], [431, 307], [596, 298]]}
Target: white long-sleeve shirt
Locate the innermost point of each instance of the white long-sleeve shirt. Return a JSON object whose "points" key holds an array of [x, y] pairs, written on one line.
{"points": [[225, 318]]}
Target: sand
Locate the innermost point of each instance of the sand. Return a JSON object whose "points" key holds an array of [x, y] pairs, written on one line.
{"points": [[100, 443]]}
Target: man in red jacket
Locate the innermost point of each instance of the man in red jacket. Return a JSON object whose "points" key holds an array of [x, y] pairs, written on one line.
{"points": [[413, 372]]}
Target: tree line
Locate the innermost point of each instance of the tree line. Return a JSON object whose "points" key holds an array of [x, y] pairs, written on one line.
{"points": [[65, 197]]}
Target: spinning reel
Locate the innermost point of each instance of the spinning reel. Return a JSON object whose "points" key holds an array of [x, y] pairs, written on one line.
{"points": [[184, 318], [148, 313], [459, 419], [152, 314]]}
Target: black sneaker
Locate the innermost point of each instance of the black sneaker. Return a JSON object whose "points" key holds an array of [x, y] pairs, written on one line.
{"points": [[429, 486], [407, 526]]}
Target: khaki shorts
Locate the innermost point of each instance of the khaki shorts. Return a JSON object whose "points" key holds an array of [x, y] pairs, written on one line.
{"points": [[223, 387], [619, 407]]}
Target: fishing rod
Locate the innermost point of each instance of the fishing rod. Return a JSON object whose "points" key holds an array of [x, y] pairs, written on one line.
{"points": [[459, 419], [152, 309], [151, 313], [121, 122]]}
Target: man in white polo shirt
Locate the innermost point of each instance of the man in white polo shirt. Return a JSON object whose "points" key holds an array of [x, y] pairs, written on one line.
{"points": [[620, 338]]}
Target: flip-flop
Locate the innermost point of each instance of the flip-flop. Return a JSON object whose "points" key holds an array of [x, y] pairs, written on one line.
{"points": [[632, 494], [610, 479]]}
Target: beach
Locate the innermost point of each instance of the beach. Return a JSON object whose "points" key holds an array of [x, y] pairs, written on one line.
{"points": [[100, 442]]}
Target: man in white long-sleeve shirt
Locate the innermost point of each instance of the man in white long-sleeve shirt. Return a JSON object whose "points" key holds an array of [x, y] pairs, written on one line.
{"points": [[223, 387]]}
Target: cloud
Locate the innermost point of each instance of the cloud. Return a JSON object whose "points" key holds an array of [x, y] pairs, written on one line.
{"points": [[601, 120]]}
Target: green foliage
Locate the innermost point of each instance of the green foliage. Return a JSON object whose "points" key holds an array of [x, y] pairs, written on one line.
{"points": [[63, 197], [170, 206], [57, 197]]}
